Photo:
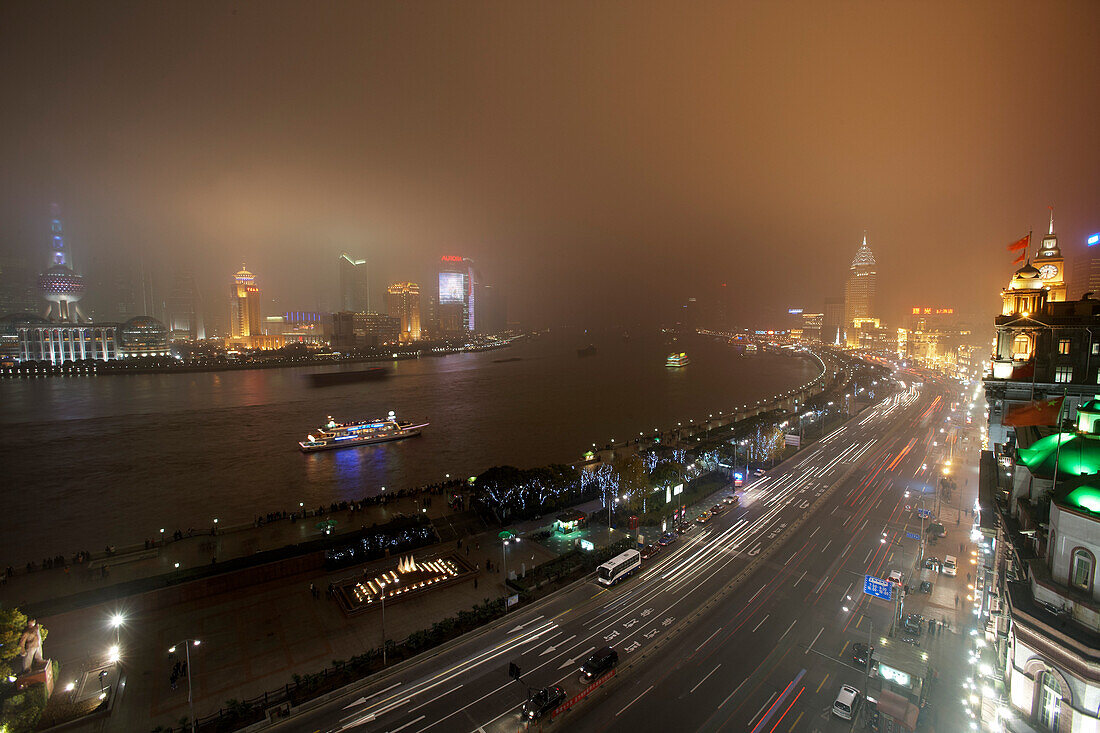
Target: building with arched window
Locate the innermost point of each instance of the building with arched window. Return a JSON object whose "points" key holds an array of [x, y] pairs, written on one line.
{"points": [[1044, 601]]}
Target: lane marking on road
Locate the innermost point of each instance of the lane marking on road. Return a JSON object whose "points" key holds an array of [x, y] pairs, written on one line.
{"points": [[520, 627], [734, 692], [639, 697], [815, 531], [822, 683], [693, 689], [716, 632], [868, 555], [811, 646], [362, 700], [790, 558], [826, 546], [789, 628], [764, 707], [434, 699], [406, 725], [800, 578], [754, 595], [789, 730], [761, 622]]}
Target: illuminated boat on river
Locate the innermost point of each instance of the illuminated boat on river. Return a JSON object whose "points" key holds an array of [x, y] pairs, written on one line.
{"points": [[677, 360], [344, 435]]}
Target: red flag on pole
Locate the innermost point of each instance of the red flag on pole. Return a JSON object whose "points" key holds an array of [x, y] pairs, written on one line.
{"points": [[1019, 259], [1039, 412], [1020, 243]]}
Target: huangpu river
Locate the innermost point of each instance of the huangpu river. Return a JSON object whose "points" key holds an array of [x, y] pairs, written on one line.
{"points": [[91, 461]]}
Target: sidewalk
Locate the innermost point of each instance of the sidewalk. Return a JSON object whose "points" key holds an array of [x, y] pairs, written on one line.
{"points": [[200, 549]]}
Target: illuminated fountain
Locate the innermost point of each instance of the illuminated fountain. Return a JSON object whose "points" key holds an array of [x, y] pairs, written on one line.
{"points": [[409, 578]]}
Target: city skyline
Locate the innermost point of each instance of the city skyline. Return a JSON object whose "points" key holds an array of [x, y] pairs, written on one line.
{"points": [[926, 146]]}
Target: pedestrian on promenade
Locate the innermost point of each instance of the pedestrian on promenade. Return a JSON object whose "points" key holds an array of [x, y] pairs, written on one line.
{"points": [[956, 600]]}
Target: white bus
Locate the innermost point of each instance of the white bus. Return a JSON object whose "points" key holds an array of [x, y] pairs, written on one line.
{"points": [[619, 567]]}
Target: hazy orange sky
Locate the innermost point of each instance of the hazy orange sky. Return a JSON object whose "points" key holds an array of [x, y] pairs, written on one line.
{"points": [[600, 161]]}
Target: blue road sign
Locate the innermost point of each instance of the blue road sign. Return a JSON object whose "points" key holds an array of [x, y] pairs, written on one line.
{"points": [[877, 587], [912, 535]]}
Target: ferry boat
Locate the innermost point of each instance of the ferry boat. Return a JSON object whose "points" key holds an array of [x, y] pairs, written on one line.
{"points": [[677, 360], [344, 435], [589, 350]]}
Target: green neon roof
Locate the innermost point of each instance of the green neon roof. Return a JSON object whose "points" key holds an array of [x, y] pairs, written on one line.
{"points": [[1086, 497], [1080, 455], [1090, 406]]}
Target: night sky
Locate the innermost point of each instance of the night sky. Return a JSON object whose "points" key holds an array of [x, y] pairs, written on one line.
{"points": [[600, 161]]}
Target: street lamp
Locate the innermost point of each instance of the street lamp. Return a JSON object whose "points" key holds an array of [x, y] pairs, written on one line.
{"points": [[382, 594], [504, 537], [188, 643], [117, 619]]}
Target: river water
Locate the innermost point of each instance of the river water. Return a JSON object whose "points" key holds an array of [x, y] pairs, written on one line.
{"points": [[110, 459]]}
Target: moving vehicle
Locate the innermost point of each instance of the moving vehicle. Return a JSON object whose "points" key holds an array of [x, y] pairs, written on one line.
{"points": [[703, 518], [950, 565], [933, 563], [601, 661], [684, 527], [619, 567], [731, 499], [895, 578], [344, 435], [649, 551], [542, 702], [844, 706], [913, 623], [717, 509], [667, 539], [861, 653]]}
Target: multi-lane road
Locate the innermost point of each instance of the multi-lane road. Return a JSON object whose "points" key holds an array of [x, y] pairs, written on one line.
{"points": [[741, 624]]}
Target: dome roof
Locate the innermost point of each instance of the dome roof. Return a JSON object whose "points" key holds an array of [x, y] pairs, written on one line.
{"points": [[1028, 271], [1090, 406], [144, 323], [1080, 455]]}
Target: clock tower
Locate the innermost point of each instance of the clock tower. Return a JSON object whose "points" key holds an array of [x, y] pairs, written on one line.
{"points": [[1051, 265]]}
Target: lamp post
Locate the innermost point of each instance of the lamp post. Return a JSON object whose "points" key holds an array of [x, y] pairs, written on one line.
{"points": [[188, 643], [382, 595], [504, 537], [117, 619]]}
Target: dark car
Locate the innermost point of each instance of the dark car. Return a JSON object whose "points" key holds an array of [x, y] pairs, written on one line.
{"points": [[731, 499], [717, 509], [913, 623], [667, 539], [542, 702], [861, 653], [684, 527], [602, 660], [933, 563], [649, 551]]}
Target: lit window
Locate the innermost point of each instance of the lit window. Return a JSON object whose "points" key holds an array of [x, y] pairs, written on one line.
{"points": [[1096, 347], [1080, 575], [1063, 346], [1063, 374]]}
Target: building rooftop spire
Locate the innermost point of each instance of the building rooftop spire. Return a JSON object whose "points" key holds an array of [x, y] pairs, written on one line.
{"points": [[864, 257], [1051, 220]]}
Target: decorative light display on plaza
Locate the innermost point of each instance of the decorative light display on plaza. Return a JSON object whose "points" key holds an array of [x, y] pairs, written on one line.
{"points": [[409, 576]]}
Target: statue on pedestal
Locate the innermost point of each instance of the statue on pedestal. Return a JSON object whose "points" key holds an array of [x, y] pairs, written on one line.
{"points": [[30, 646]]}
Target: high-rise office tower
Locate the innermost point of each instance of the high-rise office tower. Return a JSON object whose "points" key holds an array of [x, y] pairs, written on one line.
{"points": [[457, 286], [403, 303], [859, 288], [354, 285], [244, 306], [184, 317]]}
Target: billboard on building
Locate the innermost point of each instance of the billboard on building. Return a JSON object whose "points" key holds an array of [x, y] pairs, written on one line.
{"points": [[452, 287]]}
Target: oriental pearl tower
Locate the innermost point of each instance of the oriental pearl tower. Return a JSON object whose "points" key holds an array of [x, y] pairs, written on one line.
{"points": [[62, 287]]}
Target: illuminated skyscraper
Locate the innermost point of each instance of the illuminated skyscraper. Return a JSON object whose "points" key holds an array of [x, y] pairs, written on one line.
{"points": [[859, 289], [403, 303], [244, 306], [457, 285], [354, 285], [59, 284]]}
